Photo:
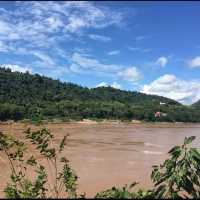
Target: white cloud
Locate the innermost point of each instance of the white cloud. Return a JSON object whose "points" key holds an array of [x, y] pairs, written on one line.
{"points": [[54, 72], [5, 27], [15, 68], [141, 37], [44, 57], [131, 74], [102, 84], [162, 61], [44, 26], [139, 49], [90, 16], [195, 62], [170, 86], [146, 50], [83, 61], [71, 17], [115, 52], [114, 85], [99, 38], [4, 47], [134, 48], [81, 50], [54, 22], [75, 68]]}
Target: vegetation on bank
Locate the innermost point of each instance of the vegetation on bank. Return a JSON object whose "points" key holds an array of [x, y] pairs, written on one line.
{"points": [[35, 97], [177, 177]]}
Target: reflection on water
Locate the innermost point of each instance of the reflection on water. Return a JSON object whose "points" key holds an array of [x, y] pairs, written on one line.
{"points": [[153, 152], [153, 145]]}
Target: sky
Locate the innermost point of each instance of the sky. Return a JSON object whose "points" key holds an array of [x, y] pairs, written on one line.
{"points": [[150, 47]]}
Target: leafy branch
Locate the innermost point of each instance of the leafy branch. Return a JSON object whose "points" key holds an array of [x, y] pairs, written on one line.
{"points": [[23, 186]]}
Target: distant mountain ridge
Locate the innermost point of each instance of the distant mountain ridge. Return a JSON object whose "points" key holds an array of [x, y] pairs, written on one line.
{"points": [[35, 97]]}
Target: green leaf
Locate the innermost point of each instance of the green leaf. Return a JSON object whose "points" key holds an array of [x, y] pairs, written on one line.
{"points": [[188, 185], [175, 151], [132, 185], [63, 143], [160, 192], [31, 161], [194, 153], [189, 140]]}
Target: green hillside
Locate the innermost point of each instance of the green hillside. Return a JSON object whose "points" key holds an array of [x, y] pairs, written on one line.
{"points": [[197, 104], [23, 95]]}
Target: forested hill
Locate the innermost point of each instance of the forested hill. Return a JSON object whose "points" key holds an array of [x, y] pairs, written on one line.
{"points": [[22, 88], [197, 104], [23, 95]]}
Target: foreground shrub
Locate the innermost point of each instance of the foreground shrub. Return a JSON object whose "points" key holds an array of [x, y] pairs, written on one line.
{"points": [[124, 193], [179, 176], [23, 186]]}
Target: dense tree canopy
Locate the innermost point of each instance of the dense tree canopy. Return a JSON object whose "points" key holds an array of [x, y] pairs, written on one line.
{"points": [[23, 95]]}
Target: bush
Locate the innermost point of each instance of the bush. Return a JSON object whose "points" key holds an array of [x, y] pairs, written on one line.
{"points": [[124, 193], [21, 185], [179, 176]]}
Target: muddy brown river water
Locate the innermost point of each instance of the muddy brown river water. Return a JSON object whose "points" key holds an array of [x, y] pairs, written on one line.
{"points": [[108, 154]]}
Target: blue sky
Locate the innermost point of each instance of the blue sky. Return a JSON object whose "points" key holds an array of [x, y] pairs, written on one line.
{"points": [[152, 47]]}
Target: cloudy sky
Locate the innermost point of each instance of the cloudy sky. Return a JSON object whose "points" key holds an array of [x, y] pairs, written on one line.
{"points": [[152, 47]]}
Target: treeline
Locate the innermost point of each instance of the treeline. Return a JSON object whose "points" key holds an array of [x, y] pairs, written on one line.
{"points": [[35, 97], [78, 110]]}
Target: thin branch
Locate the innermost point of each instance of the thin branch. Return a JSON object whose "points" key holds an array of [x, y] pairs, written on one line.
{"points": [[12, 167]]}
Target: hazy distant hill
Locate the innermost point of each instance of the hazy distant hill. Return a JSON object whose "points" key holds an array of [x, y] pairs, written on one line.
{"points": [[23, 95]]}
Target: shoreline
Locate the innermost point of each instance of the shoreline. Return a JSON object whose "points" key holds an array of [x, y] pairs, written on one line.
{"points": [[93, 122]]}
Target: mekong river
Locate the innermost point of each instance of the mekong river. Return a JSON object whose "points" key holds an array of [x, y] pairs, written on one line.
{"points": [[108, 154]]}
